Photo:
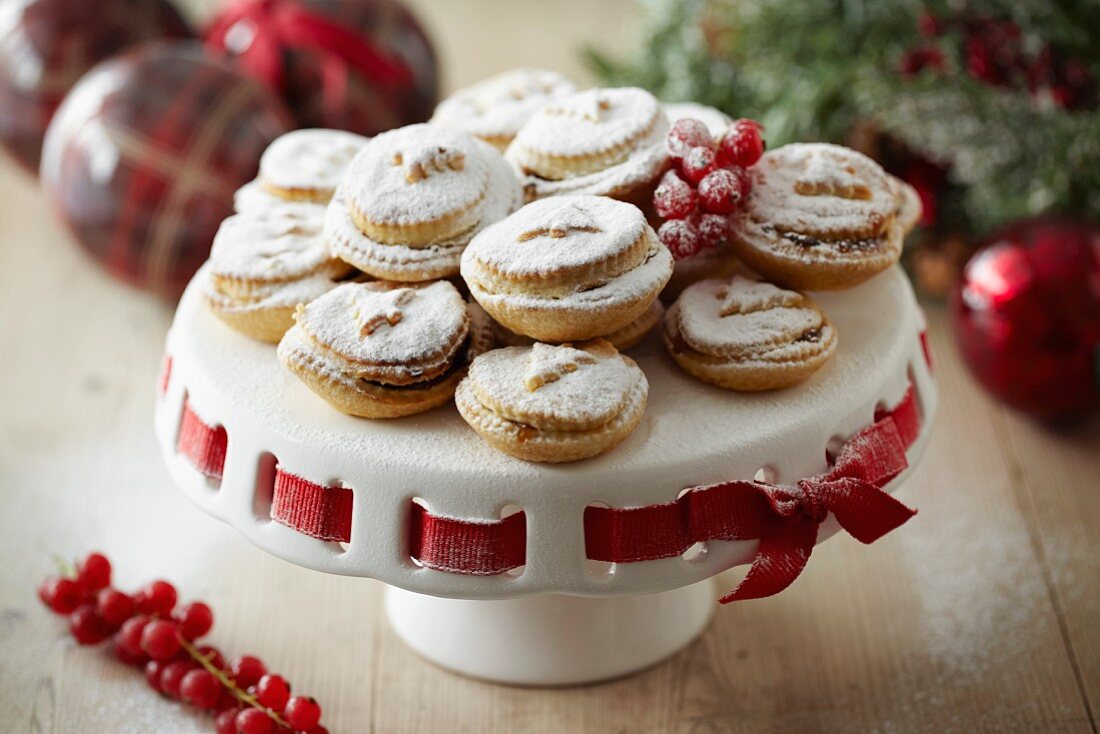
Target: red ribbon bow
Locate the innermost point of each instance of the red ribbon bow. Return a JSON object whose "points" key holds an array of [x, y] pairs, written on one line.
{"points": [[785, 519], [265, 28]]}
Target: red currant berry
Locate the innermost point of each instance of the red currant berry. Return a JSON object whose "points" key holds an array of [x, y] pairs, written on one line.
{"points": [[213, 656], [114, 606], [674, 198], [62, 596], [171, 677], [226, 722], [94, 573], [741, 144], [720, 191], [200, 689], [195, 620], [254, 721], [318, 730], [714, 230], [160, 639], [86, 626], [157, 598], [124, 654], [687, 134], [273, 691], [697, 163], [302, 713], [129, 635], [153, 669], [745, 176], [679, 237], [247, 670]]}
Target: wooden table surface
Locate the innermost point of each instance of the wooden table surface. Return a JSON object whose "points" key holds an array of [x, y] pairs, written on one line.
{"points": [[982, 614]]}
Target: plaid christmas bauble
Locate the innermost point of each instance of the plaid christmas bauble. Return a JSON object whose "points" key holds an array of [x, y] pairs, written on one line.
{"points": [[359, 65], [143, 156], [47, 45]]}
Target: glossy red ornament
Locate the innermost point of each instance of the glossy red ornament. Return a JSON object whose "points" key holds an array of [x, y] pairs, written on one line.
{"points": [[142, 158], [1027, 316], [359, 65], [47, 45]]}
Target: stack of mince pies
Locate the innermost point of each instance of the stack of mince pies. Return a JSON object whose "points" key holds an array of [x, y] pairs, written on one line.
{"points": [[501, 257]]}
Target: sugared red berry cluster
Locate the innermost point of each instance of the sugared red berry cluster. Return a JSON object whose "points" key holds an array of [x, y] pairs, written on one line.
{"points": [[706, 184], [149, 629]]}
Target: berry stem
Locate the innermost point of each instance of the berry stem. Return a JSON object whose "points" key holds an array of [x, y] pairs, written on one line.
{"points": [[241, 695], [64, 567]]}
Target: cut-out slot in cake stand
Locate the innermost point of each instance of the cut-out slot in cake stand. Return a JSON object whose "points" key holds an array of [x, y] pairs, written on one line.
{"points": [[522, 601]]}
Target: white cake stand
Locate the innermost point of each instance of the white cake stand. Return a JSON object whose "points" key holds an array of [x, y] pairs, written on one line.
{"points": [[560, 619]]}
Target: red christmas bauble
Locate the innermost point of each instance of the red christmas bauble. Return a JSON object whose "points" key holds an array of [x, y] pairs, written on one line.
{"points": [[359, 65], [143, 156], [47, 45], [1027, 316]]}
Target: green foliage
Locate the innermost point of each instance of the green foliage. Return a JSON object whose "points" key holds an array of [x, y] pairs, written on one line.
{"points": [[812, 69]]}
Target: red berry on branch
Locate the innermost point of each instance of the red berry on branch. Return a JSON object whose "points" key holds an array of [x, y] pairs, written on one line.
{"points": [[720, 191], [157, 598], [686, 134], [213, 656], [195, 620], [153, 669], [273, 692], [302, 713], [318, 730], [714, 230], [697, 163], [254, 721], [226, 722], [171, 677], [124, 654], [160, 639], [200, 689], [61, 595], [247, 670], [129, 635], [673, 198], [114, 606], [94, 573], [741, 144], [86, 626], [680, 237], [917, 60]]}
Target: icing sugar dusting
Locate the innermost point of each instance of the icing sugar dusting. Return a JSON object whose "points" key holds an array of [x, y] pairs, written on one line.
{"points": [[395, 177], [590, 395], [820, 189], [559, 233], [270, 243], [499, 105], [591, 121], [705, 328], [403, 328], [309, 159]]}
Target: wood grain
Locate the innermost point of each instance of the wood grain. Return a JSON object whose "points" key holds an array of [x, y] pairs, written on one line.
{"points": [[981, 615]]}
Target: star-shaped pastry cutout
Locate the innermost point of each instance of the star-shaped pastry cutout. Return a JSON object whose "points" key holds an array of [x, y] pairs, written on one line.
{"points": [[588, 107], [548, 364], [744, 296], [559, 222], [428, 161], [383, 309]]}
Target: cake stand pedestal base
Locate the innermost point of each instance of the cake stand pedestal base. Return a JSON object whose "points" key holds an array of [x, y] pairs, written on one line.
{"points": [[551, 639]]}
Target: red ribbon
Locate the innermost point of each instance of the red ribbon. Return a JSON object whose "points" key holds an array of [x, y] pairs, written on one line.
{"points": [[277, 25], [785, 519]]}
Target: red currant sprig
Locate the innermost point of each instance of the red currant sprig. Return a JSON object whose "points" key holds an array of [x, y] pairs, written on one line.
{"points": [[707, 183], [151, 631]]}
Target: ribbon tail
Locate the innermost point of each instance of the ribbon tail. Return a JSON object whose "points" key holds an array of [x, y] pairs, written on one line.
{"points": [[778, 562], [865, 511]]}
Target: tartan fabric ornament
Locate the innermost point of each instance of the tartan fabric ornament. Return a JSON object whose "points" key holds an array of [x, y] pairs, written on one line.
{"points": [[360, 65], [47, 45], [142, 158]]}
